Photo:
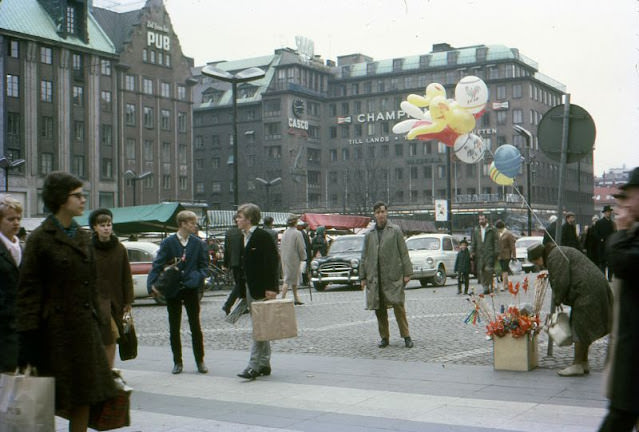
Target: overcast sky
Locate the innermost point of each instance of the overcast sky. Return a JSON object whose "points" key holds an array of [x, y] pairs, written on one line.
{"points": [[591, 46]]}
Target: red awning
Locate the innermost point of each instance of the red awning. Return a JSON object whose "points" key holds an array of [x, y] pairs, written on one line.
{"points": [[335, 221]]}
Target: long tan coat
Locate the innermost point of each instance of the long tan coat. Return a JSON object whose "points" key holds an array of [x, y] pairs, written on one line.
{"points": [[384, 264], [507, 248], [57, 299], [293, 252]]}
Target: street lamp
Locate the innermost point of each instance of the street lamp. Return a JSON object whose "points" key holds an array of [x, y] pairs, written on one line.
{"points": [[131, 176], [246, 75], [528, 136], [7, 164], [268, 185]]}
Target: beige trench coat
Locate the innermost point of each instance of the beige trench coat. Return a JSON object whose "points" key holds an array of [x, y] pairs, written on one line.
{"points": [[385, 264]]}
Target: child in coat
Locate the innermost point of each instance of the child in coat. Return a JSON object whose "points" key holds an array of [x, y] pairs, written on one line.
{"points": [[462, 266]]}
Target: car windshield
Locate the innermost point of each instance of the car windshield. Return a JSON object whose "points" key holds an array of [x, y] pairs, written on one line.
{"points": [[427, 243], [525, 242], [347, 244]]}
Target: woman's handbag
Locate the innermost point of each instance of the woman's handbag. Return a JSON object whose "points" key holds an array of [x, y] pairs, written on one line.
{"points": [[112, 413], [128, 342], [558, 328], [27, 403], [168, 282]]}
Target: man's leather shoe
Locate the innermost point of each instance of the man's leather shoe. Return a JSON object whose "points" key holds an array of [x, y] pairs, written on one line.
{"points": [[177, 368], [249, 373], [201, 368], [409, 342], [383, 343], [572, 370], [298, 303], [265, 371], [226, 309]]}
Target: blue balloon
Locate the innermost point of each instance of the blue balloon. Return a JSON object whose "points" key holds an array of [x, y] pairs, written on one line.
{"points": [[508, 160]]}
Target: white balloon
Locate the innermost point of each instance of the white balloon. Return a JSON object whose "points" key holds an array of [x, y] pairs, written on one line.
{"points": [[404, 126], [469, 148], [412, 110], [471, 93]]}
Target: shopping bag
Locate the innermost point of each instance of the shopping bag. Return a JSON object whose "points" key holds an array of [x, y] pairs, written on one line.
{"points": [[558, 328], [112, 413], [27, 403], [273, 319], [128, 342]]}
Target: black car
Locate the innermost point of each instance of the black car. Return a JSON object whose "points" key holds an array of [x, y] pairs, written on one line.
{"points": [[341, 265]]}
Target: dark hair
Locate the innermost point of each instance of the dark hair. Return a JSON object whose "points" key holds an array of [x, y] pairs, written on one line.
{"points": [[379, 204], [463, 241], [56, 188], [251, 212], [99, 216], [500, 224], [268, 221]]}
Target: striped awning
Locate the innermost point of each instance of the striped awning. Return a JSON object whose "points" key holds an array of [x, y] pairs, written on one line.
{"points": [[224, 218]]}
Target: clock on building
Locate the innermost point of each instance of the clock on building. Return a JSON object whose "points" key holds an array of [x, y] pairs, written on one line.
{"points": [[298, 108]]}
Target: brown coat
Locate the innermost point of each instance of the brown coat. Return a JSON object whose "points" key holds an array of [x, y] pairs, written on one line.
{"points": [[507, 248], [114, 284], [57, 298]]}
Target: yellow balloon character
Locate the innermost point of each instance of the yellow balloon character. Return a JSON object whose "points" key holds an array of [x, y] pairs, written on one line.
{"points": [[438, 107], [432, 90]]}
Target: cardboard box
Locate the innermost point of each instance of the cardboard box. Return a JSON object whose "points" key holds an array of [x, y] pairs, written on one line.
{"points": [[273, 319], [515, 354]]}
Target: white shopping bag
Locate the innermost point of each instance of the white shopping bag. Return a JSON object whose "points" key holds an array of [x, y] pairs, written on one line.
{"points": [[27, 403]]}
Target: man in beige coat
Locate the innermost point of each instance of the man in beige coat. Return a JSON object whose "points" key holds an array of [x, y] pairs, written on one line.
{"points": [[293, 252], [384, 271]]}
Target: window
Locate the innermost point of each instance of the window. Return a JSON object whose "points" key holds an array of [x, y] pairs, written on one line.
{"points": [[166, 182], [165, 90], [46, 127], [184, 182], [332, 132], [182, 153], [14, 49], [346, 154], [129, 82], [166, 152], [106, 135], [70, 20], [148, 117], [13, 86], [199, 164], [518, 116], [106, 200], [198, 142], [413, 173], [129, 149], [13, 123], [78, 131], [165, 119], [107, 168], [399, 173], [517, 91], [129, 115], [199, 187], [148, 150], [46, 163], [332, 154], [181, 119], [167, 60], [105, 100], [46, 55], [77, 166], [215, 162], [412, 149], [78, 95], [181, 92], [76, 62], [501, 92], [46, 91], [399, 150], [145, 55], [147, 86], [501, 117], [216, 187], [152, 56], [105, 67]]}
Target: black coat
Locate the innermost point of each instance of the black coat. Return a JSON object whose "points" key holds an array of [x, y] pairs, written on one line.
{"points": [[569, 236], [9, 274], [233, 247], [603, 229], [57, 301], [462, 261], [623, 374], [261, 262]]}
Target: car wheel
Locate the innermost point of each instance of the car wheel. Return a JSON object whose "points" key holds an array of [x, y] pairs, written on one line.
{"points": [[320, 286], [423, 282], [440, 277]]}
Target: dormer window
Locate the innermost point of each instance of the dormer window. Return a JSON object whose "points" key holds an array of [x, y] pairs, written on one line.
{"points": [[71, 20]]}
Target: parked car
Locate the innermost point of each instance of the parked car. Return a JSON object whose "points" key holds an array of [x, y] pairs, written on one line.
{"points": [[433, 257], [141, 256], [521, 245], [340, 265]]}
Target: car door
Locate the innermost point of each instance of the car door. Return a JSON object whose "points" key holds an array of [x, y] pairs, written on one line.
{"points": [[448, 250]]}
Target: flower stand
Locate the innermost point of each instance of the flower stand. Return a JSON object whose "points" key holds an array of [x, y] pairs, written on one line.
{"points": [[515, 354]]}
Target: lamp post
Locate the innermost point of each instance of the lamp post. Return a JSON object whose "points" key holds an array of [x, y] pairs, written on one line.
{"points": [[7, 164], [243, 76], [131, 176], [528, 136], [268, 184]]}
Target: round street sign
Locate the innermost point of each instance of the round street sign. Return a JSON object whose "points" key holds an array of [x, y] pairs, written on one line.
{"points": [[581, 133]]}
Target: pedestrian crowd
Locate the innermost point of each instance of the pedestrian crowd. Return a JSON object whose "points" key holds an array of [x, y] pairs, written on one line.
{"points": [[63, 294]]}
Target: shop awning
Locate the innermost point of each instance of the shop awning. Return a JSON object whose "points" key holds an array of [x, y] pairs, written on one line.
{"points": [[140, 219], [335, 221], [224, 218]]}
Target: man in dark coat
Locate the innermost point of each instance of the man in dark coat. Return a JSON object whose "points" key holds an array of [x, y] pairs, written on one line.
{"points": [[569, 232], [261, 270], [603, 228], [484, 249], [301, 226], [590, 242], [233, 247], [10, 259], [193, 261], [623, 257]]}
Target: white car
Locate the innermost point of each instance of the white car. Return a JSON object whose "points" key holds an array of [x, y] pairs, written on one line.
{"points": [[521, 246], [141, 256], [433, 257]]}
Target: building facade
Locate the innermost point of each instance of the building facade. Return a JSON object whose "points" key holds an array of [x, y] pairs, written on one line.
{"points": [[325, 130]]}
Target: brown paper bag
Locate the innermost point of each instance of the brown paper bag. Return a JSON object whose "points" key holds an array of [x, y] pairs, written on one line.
{"points": [[273, 319]]}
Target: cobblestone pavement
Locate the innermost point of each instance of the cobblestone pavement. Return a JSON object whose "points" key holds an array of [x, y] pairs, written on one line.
{"points": [[335, 323]]}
